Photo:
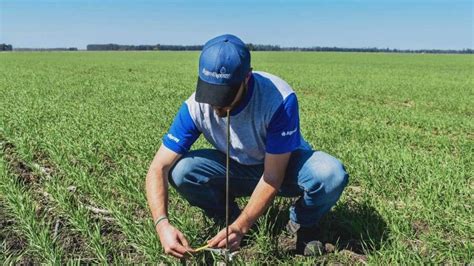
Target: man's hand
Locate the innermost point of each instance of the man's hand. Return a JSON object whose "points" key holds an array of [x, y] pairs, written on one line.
{"points": [[173, 241], [235, 236]]}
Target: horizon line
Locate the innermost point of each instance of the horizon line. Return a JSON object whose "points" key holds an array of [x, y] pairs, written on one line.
{"points": [[256, 44]]}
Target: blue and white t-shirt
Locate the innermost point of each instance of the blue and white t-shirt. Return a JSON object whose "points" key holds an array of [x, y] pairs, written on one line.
{"points": [[266, 121]]}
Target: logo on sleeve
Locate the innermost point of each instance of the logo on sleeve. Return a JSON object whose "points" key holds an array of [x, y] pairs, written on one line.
{"points": [[173, 138], [288, 133]]}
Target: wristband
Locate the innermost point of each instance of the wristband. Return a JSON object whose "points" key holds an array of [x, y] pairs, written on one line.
{"points": [[161, 218]]}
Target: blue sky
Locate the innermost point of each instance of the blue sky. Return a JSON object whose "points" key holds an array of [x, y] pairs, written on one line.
{"points": [[403, 24]]}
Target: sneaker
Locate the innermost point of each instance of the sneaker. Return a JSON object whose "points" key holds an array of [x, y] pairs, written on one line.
{"points": [[306, 239]]}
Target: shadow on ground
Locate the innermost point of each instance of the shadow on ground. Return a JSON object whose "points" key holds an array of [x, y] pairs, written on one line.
{"points": [[356, 226], [350, 226]]}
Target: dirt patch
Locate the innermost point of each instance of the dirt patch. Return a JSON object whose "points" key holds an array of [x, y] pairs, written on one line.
{"points": [[31, 178], [73, 244], [354, 257], [28, 176], [408, 103], [420, 227], [108, 163], [23, 171], [13, 243], [287, 242], [111, 233], [418, 246]]}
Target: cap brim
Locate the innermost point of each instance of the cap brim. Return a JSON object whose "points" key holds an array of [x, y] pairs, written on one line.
{"points": [[216, 95]]}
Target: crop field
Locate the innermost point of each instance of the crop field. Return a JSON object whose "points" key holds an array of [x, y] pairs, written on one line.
{"points": [[78, 131]]}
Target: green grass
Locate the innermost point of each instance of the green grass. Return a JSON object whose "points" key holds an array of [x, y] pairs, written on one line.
{"points": [[78, 131]]}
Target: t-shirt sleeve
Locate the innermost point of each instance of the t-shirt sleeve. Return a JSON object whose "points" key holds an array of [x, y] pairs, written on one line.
{"points": [[182, 133], [283, 132]]}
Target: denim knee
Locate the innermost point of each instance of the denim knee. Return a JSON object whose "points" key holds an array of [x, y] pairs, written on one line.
{"points": [[182, 172], [329, 174]]}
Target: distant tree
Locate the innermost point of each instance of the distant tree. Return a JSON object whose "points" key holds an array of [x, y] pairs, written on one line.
{"points": [[6, 47], [251, 47]]}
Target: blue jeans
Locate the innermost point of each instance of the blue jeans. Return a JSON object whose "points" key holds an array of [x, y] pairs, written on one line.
{"points": [[314, 176]]}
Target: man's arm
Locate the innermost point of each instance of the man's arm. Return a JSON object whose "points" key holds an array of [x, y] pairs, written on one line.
{"points": [[263, 195], [179, 138], [157, 181], [172, 240]]}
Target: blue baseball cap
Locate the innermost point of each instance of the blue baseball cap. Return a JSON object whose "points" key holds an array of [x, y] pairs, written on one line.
{"points": [[223, 65]]}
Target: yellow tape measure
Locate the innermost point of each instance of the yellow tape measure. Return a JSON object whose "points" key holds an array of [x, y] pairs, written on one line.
{"points": [[201, 248]]}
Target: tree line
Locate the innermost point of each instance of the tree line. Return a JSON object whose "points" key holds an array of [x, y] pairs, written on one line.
{"points": [[162, 47], [251, 46], [47, 49], [267, 47]]}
